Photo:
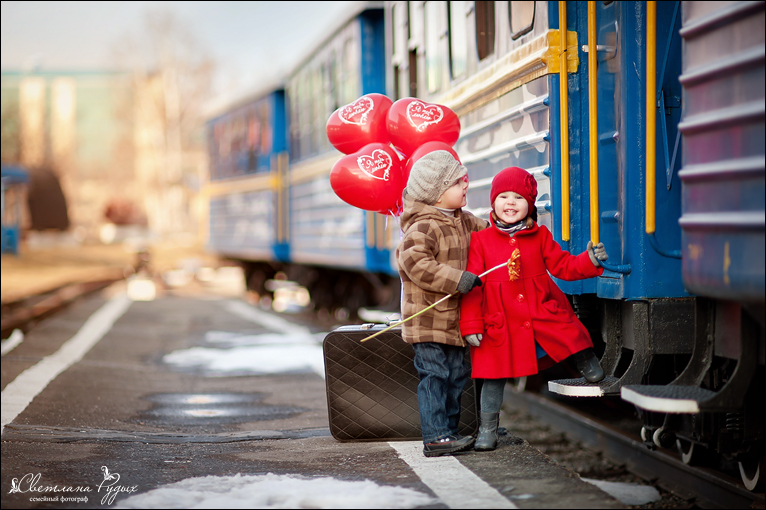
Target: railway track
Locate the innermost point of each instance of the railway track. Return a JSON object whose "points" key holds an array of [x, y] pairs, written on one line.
{"points": [[707, 488], [24, 313]]}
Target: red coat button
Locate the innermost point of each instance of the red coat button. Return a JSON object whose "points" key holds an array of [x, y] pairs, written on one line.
{"points": [[513, 242], [520, 297], [527, 325]]}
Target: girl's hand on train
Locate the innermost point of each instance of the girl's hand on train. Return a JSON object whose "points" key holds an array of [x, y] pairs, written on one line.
{"points": [[597, 253], [473, 339]]}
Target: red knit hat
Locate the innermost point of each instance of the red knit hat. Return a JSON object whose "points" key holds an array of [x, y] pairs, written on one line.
{"points": [[517, 180]]}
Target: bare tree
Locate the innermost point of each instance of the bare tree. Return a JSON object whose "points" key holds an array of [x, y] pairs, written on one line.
{"points": [[10, 141], [172, 78]]}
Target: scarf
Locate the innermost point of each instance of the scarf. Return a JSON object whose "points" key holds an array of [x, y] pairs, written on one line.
{"points": [[510, 229]]}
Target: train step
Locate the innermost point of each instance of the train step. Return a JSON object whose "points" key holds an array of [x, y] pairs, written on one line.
{"points": [[668, 399], [609, 385]]}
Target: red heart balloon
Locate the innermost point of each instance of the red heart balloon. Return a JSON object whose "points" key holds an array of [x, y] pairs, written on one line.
{"points": [[357, 124], [422, 151], [370, 179], [412, 122]]}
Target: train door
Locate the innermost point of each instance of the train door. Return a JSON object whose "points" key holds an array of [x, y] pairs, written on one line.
{"points": [[639, 228], [624, 109]]}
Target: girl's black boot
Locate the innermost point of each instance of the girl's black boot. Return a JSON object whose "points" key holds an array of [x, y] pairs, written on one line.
{"points": [[487, 439], [588, 365]]}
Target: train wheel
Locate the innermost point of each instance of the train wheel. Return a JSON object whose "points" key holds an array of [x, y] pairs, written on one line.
{"points": [[691, 454], [663, 438], [752, 473]]}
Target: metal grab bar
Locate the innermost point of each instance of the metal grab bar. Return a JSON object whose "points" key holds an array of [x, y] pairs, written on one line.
{"points": [[651, 115], [593, 121], [616, 268], [593, 127], [651, 130], [564, 119]]}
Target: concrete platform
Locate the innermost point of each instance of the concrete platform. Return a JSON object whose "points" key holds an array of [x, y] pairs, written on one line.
{"points": [[124, 407]]}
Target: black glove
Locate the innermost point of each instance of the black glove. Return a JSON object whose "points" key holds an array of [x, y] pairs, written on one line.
{"points": [[468, 282]]}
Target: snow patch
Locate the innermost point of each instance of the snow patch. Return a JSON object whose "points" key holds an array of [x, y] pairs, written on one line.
{"points": [[293, 351], [250, 360], [277, 491], [631, 494]]}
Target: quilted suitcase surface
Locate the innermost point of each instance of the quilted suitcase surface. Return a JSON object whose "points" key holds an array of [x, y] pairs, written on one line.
{"points": [[372, 387]]}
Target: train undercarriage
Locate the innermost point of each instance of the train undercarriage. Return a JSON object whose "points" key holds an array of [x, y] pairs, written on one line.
{"points": [[694, 370], [332, 292]]}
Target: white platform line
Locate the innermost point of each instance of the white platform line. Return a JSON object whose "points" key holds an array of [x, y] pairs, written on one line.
{"points": [[267, 320], [12, 342], [453, 483], [19, 393]]}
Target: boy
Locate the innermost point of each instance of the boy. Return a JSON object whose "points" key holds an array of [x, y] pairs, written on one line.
{"points": [[432, 258]]}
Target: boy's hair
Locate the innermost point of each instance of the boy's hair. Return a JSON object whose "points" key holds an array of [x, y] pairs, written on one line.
{"points": [[519, 181], [432, 175]]}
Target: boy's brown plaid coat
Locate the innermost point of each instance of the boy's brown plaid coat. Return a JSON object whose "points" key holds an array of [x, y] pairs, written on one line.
{"points": [[432, 256]]}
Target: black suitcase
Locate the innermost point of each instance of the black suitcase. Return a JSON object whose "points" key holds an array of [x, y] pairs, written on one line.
{"points": [[372, 387]]}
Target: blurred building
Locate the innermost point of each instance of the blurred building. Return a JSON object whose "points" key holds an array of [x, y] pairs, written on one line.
{"points": [[105, 137]]}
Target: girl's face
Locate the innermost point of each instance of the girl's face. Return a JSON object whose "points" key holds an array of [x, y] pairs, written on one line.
{"points": [[454, 197], [510, 207]]}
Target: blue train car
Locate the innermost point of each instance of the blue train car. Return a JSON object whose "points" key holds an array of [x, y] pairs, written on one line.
{"points": [[248, 153], [642, 123], [341, 253], [14, 180], [271, 204]]}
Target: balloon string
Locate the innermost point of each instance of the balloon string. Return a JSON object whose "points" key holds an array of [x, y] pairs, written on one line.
{"points": [[482, 275]]}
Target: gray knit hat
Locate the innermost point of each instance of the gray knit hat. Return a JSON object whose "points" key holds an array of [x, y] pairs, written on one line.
{"points": [[432, 175]]}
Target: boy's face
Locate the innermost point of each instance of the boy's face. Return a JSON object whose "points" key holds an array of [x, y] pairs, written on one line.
{"points": [[510, 207], [454, 197]]}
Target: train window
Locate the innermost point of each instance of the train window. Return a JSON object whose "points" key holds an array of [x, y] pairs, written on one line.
{"points": [[333, 85], [433, 60], [316, 92], [397, 28], [397, 95], [294, 108], [349, 75], [399, 14], [265, 115], [458, 39], [522, 16], [410, 5], [253, 142], [323, 104], [413, 73], [305, 112], [485, 28]]}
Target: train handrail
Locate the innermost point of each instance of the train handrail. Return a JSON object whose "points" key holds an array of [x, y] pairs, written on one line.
{"points": [[564, 119], [593, 120], [651, 115], [651, 130], [593, 127]]}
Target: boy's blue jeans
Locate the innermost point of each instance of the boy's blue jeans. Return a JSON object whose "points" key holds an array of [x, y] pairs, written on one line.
{"points": [[443, 373]]}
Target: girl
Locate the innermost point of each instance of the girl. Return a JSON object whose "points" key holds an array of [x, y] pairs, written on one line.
{"points": [[520, 315]]}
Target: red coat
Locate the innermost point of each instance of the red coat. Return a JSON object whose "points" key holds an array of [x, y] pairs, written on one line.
{"points": [[512, 314]]}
